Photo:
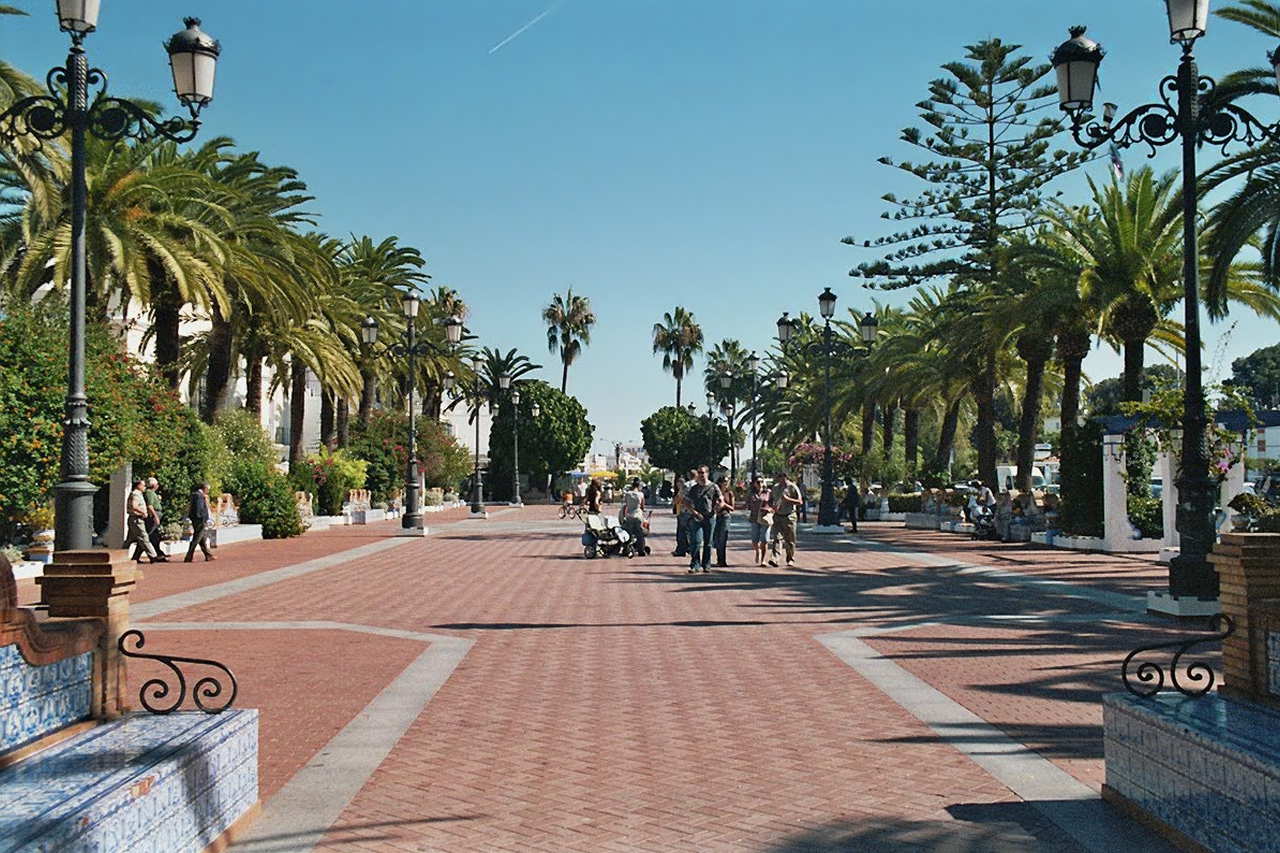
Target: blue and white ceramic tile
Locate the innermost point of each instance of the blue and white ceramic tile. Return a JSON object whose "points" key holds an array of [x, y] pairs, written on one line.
{"points": [[37, 700], [142, 783], [1208, 767]]}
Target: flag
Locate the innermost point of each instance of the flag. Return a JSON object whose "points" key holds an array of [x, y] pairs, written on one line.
{"points": [[1117, 165]]}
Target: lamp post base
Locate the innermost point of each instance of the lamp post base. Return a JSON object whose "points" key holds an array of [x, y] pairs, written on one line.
{"points": [[1182, 606], [413, 532], [478, 513], [411, 520]]}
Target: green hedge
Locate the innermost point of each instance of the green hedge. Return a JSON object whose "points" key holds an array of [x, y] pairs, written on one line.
{"points": [[264, 498], [905, 503], [1081, 476], [1147, 514]]}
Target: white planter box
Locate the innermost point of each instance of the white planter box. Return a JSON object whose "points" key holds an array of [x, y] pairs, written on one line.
{"points": [[237, 533], [873, 515], [368, 516], [328, 521], [921, 520], [893, 516]]}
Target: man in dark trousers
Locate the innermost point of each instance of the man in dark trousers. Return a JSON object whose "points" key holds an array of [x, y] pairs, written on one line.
{"points": [[200, 517], [703, 502]]}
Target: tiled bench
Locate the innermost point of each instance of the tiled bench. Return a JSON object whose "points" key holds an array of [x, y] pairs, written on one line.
{"points": [[167, 784], [1209, 768], [73, 780]]}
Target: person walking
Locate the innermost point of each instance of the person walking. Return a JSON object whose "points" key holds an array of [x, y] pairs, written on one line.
{"points": [[721, 531], [785, 499], [681, 511], [703, 502], [804, 501], [136, 514], [631, 516], [760, 513], [200, 515], [592, 497], [154, 514], [850, 504]]}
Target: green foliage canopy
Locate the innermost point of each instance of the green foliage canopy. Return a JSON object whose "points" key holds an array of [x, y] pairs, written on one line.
{"points": [[678, 440], [555, 441]]}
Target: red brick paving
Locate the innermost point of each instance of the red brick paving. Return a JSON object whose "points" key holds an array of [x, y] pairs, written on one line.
{"points": [[1132, 574], [1042, 686], [289, 677], [623, 705]]}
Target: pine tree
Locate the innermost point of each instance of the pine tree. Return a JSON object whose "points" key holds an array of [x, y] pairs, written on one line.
{"points": [[988, 163]]}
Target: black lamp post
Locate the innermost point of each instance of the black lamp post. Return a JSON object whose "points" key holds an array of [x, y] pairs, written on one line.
{"points": [[193, 58], [477, 489], [505, 381], [727, 408], [411, 348], [1184, 113], [828, 516], [753, 364]]}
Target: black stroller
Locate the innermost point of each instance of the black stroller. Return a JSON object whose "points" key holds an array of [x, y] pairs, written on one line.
{"points": [[603, 537]]}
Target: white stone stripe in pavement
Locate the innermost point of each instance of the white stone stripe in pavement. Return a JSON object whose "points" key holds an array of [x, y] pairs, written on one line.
{"points": [[302, 812], [206, 594], [1068, 802]]}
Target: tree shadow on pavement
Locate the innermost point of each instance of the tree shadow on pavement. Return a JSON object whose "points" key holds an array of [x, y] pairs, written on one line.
{"points": [[1013, 827], [343, 834]]}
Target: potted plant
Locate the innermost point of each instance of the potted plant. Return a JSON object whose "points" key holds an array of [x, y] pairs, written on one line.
{"points": [[40, 520]]}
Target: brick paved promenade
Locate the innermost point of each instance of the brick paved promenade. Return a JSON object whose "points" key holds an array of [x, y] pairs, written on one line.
{"points": [[488, 688]]}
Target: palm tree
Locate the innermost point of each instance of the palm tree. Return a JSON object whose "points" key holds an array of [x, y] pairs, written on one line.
{"points": [[1129, 248], [728, 359], [678, 338], [569, 320]]}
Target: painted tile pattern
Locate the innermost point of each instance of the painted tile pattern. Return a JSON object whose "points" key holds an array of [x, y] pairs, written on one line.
{"points": [[144, 783], [1207, 767], [1273, 662], [37, 700]]}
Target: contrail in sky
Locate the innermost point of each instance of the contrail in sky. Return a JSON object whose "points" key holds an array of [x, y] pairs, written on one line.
{"points": [[497, 47]]}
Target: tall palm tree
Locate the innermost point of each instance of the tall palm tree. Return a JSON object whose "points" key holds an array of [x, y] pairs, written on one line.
{"points": [[569, 319], [678, 338], [728, 359], [1128, 245]]}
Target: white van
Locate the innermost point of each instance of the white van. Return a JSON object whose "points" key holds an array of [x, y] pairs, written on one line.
{"points": [[1006, 474]]}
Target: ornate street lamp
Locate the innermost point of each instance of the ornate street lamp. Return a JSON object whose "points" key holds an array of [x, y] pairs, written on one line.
{"points": [[515, 449], [786, 328], [753, 364], [477, 488], [410, 347], [781, 381], [67, 110], [828, 516], [1185, 112]]}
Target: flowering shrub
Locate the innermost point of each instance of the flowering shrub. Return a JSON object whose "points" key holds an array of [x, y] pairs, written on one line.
{"points": [[843, 462], [264, 497], [330, 475]]}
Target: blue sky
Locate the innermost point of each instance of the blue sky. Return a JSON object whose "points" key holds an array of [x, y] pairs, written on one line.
{"points": [[707, 154]]}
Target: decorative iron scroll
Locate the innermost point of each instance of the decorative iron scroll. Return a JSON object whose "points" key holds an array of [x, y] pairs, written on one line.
{"points": [[1150, 676], [158, 689]]}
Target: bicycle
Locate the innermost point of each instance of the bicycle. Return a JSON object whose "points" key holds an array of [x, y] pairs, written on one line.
{"points": [[572, 511]]}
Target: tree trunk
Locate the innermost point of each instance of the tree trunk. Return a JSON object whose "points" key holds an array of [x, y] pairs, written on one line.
{"points": [[983, 388], [327, 436], [217, 386], [678, 380], [564, 377], [890, 417], [297, 409], [1133, 358], [165, 308], [344, 422], [868, 427], [1073, 346], [253, 384], [947, 437], [368, 389], [911, 438], [1028, 424]]}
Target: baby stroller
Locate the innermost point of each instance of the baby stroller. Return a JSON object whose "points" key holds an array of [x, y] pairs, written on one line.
{"points": [[602, 537], [984, 523]]}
